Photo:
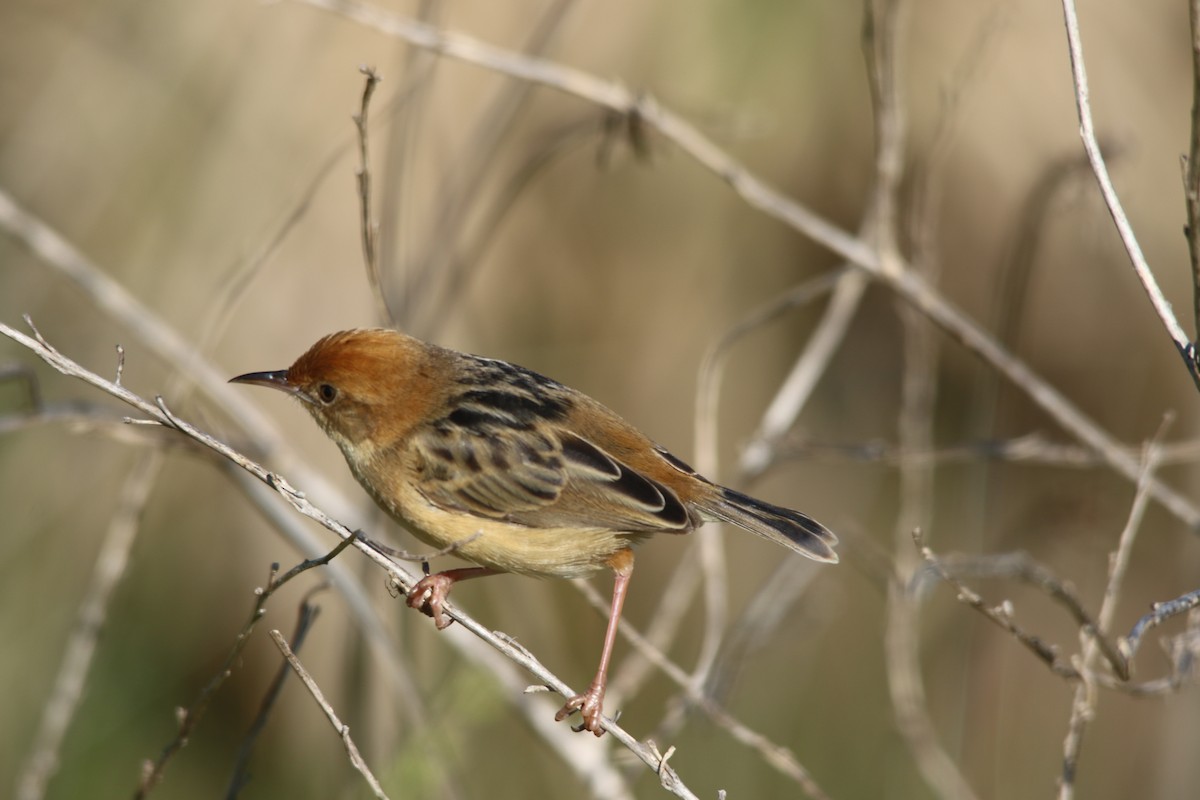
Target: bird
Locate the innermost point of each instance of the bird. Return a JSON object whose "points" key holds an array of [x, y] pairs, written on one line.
{"points": [[513, 471]]}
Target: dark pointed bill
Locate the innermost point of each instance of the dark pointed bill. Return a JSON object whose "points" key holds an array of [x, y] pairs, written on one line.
{"points": [[276, 379]]}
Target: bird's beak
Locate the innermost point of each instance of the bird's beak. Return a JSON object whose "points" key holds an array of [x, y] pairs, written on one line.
{"points": [[272, 380]]}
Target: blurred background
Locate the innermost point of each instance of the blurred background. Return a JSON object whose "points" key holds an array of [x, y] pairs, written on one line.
{"points": [[203, 156]]}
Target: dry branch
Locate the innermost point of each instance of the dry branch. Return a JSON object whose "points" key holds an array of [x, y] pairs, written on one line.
{"points": [[343, 730], [189, 718], [1087, 132], [368, 225], [306, 617]]}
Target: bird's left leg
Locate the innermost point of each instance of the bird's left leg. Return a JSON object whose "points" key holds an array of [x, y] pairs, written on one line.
{"points": [[590, 704], [428, 594]]}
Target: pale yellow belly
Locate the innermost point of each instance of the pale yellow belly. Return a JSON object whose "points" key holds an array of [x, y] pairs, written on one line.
{"points": [[503, 546]]}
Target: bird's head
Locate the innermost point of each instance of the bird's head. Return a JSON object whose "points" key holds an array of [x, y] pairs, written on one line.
{"points": [[363, 387]]}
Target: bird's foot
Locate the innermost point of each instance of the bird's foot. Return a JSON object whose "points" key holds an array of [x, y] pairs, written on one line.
{"points": [[427, 596], [590, 706]]}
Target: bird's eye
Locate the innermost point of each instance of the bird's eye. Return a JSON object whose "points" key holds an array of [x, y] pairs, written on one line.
{"points": [[327, 392]]}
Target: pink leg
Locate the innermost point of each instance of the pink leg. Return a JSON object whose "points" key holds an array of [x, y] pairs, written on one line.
{"points": [[428, 594], [590, 704]]}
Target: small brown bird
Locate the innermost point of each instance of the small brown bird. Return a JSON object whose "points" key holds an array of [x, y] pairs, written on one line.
{"points": [[528, 475]]}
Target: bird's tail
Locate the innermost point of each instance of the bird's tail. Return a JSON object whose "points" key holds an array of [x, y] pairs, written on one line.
{"points": [[793, 530]]}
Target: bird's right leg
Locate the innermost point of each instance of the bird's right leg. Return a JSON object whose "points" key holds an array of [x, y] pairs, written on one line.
{"points": [[428, 594]]}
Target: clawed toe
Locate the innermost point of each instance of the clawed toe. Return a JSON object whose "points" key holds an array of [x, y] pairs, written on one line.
{"points": [[427, 595], [590, 706]]}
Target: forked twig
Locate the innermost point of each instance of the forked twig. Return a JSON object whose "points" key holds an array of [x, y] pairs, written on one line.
{"points": [[1001, 615], [305, 618], [189, 718]]}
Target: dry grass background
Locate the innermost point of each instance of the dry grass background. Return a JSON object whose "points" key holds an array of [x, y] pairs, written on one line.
{"points": [[169, 141]]}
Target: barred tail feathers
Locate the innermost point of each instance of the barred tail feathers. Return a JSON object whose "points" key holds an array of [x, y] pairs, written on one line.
{"points": [[795, 531]]}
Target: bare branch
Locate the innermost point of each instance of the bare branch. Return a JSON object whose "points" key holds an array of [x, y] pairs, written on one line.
{"points": [[189, 718], [1160, 613], [1124, 229], [368, 226], [712, 370], [1191, 166], [793, 394], [113, 299], [1018, 566], [1001, 615], [343, 731], [305, 618], [1083, 706]]}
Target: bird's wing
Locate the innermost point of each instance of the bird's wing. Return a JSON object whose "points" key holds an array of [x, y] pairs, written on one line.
{"points": [[541, 477]]}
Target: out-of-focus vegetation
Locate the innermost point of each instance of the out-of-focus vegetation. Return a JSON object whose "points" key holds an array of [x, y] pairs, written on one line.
{"points": [[170, 141]]}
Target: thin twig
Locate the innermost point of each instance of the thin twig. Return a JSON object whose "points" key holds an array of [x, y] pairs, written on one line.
{"points": [[712, 366], [368, 226], [1124, 229], [795, 390], [1083, 704], [343, 731], [1119, 560], [1001, 615], [766, 612], [305, 618], [1018, 566], [1191, 167], [189, 718], [112, 298], [1159, 613], [789, 400], [554, 146], [237, 277]]}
